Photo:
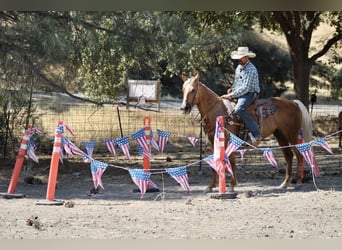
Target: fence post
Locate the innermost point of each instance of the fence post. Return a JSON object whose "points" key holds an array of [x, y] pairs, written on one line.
{"points": [[50, 193]]}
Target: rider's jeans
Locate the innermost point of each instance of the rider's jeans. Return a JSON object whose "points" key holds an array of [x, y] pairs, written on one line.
{"points": [[241, 109]]}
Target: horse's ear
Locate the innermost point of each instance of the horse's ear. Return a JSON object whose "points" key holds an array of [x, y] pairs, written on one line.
{"points": [[184, 77], [197, 76]]}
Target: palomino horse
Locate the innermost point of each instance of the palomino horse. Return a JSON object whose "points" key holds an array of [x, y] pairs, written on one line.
{"points": [[284, 123]]}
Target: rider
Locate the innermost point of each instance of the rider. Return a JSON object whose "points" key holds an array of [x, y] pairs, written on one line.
{"points": [[245, 89]]}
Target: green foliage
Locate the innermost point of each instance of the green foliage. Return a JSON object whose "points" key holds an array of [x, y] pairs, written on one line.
{"points": [[336, 85]]}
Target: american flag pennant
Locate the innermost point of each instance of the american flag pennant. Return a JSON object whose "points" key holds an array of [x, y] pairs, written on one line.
{"points": [[123, 144], [219, 146], [242, 153], [193, 140], [139, 136], [31, 147], [140, 150], [97, 170], [210, 160], [143, 152], [71, 149], [233, 144], [142, 180], [89, 145], [37, 130], [110, 143], [323, 143], [59, 129], [154, 143], [268, 154], [163, 137], [180, 175], [69, 129], [228, 166], [306, 150], [218, 139]]}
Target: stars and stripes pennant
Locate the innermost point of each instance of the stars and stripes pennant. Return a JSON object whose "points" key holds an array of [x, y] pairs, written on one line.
{"points": [[180, 175], [37, 130], [142, 180], [193, 140], [242, 153], [154, 143], [97, 170], [228, 166], [89, 145], [323, 143], [139, 136], [163, 137], [268, 154], [31, 148], [69, 129], [219, 146], [143, 152], [70, 148], [233, 144], [59, 129], [306, 150], [110, 143], [210, 160], [123, 144]]}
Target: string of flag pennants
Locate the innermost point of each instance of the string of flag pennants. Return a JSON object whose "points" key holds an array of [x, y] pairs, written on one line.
{"points": [[142, 179]]}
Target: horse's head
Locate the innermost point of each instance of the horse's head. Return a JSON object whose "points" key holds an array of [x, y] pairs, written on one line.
{"points": [[190, 90]]}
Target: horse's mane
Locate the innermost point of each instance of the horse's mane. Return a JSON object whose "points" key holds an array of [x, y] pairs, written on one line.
{"points": [[209, 90]]}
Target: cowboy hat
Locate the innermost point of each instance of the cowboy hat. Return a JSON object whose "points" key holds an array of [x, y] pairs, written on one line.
{"points": [[241, 52]]}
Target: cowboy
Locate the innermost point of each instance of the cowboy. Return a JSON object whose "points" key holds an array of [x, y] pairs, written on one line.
{"points": [[245, 89]]}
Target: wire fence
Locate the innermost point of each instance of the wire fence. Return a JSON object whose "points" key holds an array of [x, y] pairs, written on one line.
{"points": [[98, 123]]}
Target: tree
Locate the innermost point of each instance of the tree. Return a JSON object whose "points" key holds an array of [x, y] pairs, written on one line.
{"points": [[298, 28]]}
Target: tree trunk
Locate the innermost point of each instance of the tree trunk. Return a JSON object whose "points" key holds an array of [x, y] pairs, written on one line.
{"points": [[301, 78]]}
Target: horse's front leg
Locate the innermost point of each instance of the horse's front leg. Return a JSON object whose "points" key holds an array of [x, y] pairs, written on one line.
{"points": [[214, 178], [288, 171]]}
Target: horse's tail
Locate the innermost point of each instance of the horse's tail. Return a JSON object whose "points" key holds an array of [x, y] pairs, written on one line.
{"points": [[306, 121]]}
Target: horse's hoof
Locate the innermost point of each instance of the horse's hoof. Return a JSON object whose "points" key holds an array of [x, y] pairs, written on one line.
{"points": [[282, 186], [207, 190], [299, 186]]}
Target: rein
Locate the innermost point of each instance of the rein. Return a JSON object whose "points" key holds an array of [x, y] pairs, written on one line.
{"points": [[211, 125]]}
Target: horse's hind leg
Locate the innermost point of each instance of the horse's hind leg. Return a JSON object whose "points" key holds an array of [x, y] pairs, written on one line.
{"points": [[288, 170], [300, 167], [287, 152]]}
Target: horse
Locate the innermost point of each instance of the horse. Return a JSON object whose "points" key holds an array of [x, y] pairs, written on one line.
{"points": [[340, 128], [285, 123]]}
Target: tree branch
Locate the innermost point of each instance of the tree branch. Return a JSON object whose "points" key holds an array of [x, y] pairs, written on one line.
{"points": [[326, 47]]}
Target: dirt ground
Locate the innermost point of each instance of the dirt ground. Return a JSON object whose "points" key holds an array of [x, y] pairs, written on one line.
{"points": [[260, 210]]}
